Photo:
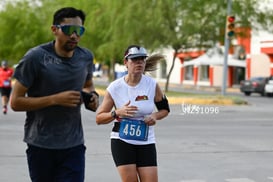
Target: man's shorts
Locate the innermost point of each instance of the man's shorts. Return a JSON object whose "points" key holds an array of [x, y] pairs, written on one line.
{"points": [[58, 165], [5, 91], [124, 153]]}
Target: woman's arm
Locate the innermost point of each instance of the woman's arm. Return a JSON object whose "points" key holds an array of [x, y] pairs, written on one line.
{"points": [[104, 115], [161, 99], [104, 112]]}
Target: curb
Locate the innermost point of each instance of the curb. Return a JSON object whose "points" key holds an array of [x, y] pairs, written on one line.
{"points": [[191, 100]]}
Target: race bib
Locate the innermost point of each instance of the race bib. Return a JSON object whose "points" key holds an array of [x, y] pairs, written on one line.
{"points": [[133, 130], [6, 83]]}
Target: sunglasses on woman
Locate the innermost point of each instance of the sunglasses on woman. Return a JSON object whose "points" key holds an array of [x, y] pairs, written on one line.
{"points": [[70, 29]]}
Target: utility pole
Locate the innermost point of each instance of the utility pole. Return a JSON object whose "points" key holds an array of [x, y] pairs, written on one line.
{"points": [[227, 41]]}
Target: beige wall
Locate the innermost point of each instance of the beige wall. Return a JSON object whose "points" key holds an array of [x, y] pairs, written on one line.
{"points": [[260, 65], [217, 75]]}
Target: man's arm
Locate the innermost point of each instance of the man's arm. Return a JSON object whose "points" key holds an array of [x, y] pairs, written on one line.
{"points": [[21, 102]]}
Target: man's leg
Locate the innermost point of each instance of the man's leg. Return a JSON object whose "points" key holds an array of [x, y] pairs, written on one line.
{"points": [[41, 164], [72, 163], [5, 93]]}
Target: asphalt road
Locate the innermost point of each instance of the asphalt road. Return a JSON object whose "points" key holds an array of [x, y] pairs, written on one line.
{"points": [[194, 144]]}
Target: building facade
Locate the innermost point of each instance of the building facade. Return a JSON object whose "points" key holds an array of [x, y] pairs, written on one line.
{"points": [[249, 55]]}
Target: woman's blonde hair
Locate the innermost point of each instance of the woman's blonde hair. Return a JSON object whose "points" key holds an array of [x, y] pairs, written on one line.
{"points": [[151, 62]]}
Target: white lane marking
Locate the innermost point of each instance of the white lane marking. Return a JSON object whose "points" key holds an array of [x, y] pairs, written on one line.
{"points": [[196, 180], [239, 180]]}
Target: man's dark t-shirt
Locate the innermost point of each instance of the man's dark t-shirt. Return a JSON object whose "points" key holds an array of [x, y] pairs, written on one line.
{"points": [[45, 73]]}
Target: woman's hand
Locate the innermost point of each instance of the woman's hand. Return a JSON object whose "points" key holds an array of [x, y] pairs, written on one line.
{"points": [[150, 120], [127, 110]]}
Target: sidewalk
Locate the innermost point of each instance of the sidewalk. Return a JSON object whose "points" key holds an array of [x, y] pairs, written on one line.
{"points": [[215, 91], [180, 87], [207, 89]]}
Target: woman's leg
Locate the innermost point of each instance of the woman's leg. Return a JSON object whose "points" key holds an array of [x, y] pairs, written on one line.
{"points": [[148, 174], [124, 156], [128, 173], [147, 163]]}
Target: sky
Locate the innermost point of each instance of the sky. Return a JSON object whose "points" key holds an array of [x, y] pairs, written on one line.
{"points": [[3, 2]]}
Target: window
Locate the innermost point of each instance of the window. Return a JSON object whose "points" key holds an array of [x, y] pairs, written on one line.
{"points": [[188, 74], [163, 67], [204, 73]]}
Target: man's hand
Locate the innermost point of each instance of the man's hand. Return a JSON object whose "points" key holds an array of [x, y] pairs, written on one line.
{"points": [[68, 98], [91, 100], [94, 101]]}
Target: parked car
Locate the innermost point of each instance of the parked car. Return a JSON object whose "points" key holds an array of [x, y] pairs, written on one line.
{"points": [[97, 73], [253, 85], [268, 89], [97, 70]]}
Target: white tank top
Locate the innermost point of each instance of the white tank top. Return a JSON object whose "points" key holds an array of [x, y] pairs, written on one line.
{"points": [[141, 95]]}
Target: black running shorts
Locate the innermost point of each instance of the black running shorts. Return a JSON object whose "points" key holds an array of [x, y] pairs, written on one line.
{"points": [[5, 91], [124, 153]]}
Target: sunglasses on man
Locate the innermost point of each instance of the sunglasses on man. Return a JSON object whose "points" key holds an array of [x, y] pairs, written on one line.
{"points": [[70, 29]]}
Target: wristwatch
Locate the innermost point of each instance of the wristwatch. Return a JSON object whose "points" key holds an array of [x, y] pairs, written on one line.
{"points": [[114, 114]]}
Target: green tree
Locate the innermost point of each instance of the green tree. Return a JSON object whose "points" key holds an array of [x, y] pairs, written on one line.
{"points": [[113, 25], [183, 24], [21, 28], [180, 24]]}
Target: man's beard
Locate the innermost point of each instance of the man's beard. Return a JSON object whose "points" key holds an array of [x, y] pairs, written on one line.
{"points": [[68, 47]]}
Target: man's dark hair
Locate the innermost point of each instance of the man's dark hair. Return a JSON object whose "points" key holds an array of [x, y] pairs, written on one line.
{"points": [[68, 12]]}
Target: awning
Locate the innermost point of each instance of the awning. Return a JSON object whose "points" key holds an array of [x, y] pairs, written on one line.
{"points": [[215, 58]]}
